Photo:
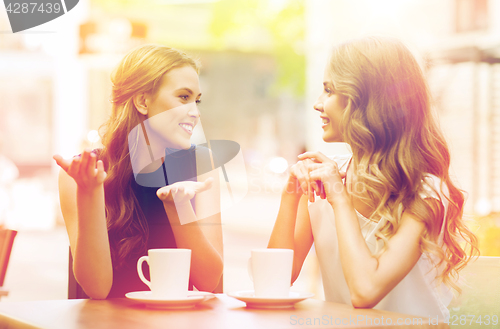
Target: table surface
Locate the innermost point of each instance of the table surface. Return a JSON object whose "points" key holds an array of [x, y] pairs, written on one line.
{"points": [[219, 312]]}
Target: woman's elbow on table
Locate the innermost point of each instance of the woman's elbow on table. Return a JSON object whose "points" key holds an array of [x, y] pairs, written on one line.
{"points": [[98, 295], [210, 281], [208, 285], [295, 273], [365, 297], [361, 302], [95, 289]]}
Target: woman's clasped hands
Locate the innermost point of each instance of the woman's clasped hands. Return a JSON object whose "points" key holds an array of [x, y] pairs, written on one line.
{"points": [[317, 175]]}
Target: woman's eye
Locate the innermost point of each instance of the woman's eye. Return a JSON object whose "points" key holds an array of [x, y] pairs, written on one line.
{"points": [[184, 97], [328, 90]]}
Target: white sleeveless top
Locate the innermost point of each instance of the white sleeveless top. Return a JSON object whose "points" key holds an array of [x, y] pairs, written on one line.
{"points": [[417, 294]]}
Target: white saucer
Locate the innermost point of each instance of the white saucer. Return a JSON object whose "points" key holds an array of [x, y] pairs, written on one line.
{"points": [[248, 296], [193, 298]]}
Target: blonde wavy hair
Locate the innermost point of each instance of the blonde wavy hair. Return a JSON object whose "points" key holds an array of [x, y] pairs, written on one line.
{"points": [[140, 71], [395, 140]]}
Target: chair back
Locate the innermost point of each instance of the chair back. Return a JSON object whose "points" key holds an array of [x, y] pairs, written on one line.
{"points": [[480, 283], [6, 241]]}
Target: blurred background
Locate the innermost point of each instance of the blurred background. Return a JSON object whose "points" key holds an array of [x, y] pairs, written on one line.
{"points": [[262, 68]]}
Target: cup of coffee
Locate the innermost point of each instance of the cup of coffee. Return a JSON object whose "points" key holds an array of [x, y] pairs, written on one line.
{"points": [[169, 272], [271, 272]]}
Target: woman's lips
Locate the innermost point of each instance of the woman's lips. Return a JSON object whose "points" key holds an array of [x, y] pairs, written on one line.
{"points": [[188, 127], [326, 122]]}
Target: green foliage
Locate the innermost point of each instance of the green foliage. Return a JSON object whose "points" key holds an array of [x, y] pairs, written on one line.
{"points": [[487, 230], [274, 27], [281, 30], [114, 4], [478, 304]]}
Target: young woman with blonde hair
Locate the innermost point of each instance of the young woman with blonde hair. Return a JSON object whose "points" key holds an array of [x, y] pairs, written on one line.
{"points": [[387, 228], [113, 212]]}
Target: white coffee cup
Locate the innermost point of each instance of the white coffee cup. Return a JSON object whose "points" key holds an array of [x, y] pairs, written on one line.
{"points": [[271, 272], [169, 272]]}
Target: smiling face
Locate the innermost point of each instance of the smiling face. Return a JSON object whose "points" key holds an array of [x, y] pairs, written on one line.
{"points": [[172, 112], [331, 106]]}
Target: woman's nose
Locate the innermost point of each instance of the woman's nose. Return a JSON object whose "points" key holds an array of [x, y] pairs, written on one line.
{"points": [[194, 111], [318, 106]]}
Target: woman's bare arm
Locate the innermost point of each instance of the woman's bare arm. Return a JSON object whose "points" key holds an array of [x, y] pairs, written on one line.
{"points": [[82, 206], [292, 229], [369, 277], [203, 236]]}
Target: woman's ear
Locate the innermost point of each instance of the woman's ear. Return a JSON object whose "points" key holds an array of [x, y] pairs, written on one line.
{"points": [[141, 103], [346, 101]]}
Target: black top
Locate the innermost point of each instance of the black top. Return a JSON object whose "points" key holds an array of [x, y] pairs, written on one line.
{"points": [[179, 165]]}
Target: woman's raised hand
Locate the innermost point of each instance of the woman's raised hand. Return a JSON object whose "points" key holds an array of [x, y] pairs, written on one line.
{"points": [[324, 173], [85, 169], [181, 192]]}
